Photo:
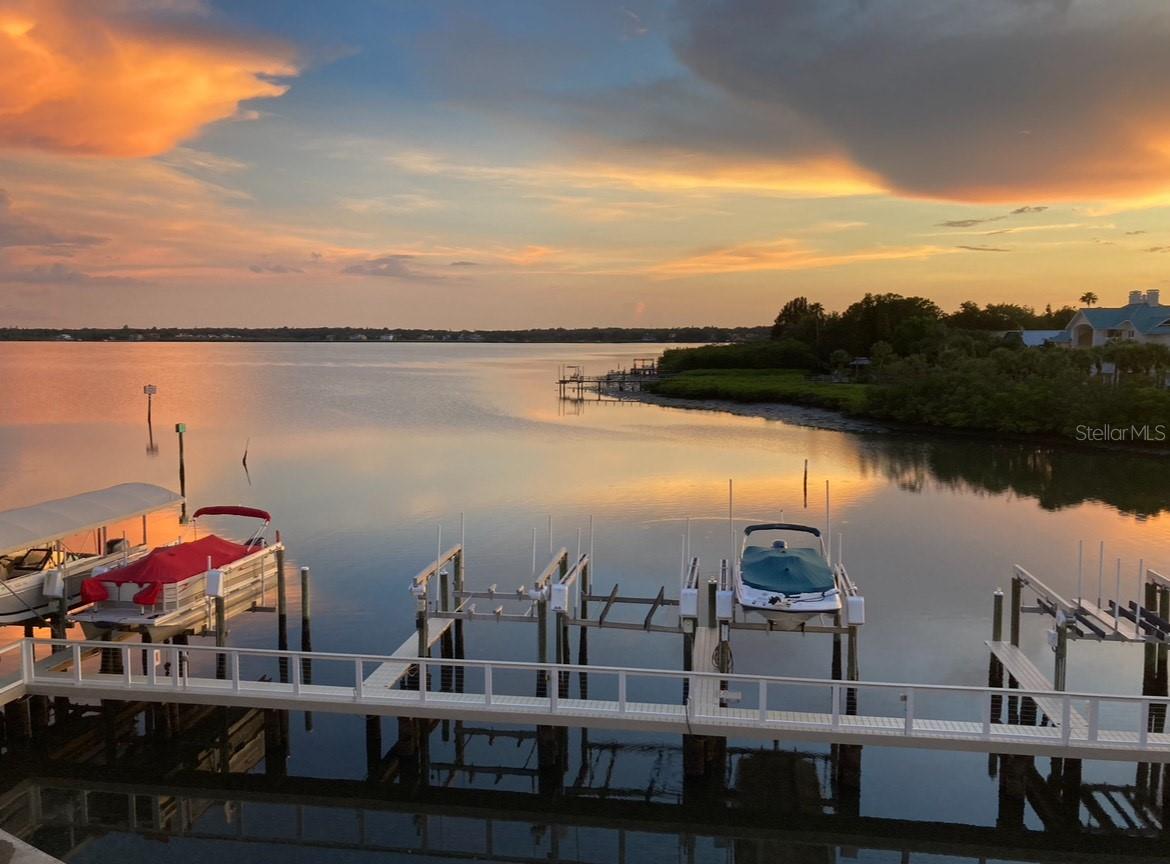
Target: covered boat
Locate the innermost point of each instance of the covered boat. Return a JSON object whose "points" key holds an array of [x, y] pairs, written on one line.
{"points": [[784, 582], [166, 592], [63, 540]]}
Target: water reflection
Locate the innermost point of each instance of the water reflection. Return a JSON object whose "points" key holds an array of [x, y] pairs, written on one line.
{"points": [[1057, 477], [123, 780]]}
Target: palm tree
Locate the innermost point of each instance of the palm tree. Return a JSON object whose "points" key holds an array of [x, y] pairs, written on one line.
{"points": [[1088, 298]]}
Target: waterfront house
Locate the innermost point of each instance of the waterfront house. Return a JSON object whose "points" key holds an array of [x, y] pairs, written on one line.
{"points": [[1143, 319]]}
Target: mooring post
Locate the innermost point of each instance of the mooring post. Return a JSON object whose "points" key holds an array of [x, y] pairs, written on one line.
{"points": [[1017, 599], [852, 671], [1060, 670], [994, 667], [220, 636], [541, 644], [1150, 651], [281, 610], [458, 625], [60, 620], [583, 631], [180, 430], [712, 588]]}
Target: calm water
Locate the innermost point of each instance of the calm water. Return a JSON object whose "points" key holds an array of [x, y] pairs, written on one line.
{"points": [[360, 451]]}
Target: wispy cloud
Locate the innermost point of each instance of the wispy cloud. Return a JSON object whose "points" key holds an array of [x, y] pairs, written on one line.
{"points": [[784, 254], [983, 248]]}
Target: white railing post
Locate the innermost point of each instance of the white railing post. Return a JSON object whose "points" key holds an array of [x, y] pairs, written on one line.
{"points": [[1094, 718], [358, 682], [1066, 718], [487, 685], [126, 668], [908, 726], [176, 668], [554, 690], [988, 697], [763, 701], [1144, 728], [298, 674], [77, 663], [151, 667], [422, 681], [835, 691], [27, 661], [236, 671], [622, 692]]}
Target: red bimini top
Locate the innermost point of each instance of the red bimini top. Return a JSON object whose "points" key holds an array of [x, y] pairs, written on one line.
{"points": [[169, 564]]}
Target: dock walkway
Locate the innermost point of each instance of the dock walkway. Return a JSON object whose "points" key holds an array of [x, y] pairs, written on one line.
{"points": [[1030, 678], [627, 698]]}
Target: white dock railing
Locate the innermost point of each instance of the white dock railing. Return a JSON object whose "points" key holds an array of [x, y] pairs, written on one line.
{"points": [[1125, 728]]}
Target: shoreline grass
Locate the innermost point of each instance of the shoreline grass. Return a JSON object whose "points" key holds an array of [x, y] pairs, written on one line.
{"points": [[794, 386]]}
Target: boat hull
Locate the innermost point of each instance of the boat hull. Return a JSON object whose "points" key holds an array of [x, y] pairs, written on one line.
{"points": [[786, 612]]}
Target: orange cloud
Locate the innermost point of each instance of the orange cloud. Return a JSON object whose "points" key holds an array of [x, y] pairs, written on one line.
{"points": [[89, 78], [782, 254]]}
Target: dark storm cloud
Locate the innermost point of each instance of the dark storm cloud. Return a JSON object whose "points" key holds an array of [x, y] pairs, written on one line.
{"points": [[955, 99]]}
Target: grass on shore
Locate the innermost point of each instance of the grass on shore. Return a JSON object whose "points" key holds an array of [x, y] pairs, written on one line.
{"points": [[764, 385]]}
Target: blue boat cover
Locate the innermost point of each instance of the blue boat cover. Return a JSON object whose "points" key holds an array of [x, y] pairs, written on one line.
{"points": [[794, 570]]}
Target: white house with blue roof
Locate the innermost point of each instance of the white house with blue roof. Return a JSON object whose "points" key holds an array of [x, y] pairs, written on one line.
{"points": [[1143, 319]]}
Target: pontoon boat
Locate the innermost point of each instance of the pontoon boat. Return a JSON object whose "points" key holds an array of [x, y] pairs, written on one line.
{"points": [[166, 592]]}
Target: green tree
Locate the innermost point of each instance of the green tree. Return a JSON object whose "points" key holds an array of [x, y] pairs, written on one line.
{"points": [[1088, 298]]}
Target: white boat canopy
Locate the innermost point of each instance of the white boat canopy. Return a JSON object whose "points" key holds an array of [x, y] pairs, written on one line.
{"points": [[29, 527]]}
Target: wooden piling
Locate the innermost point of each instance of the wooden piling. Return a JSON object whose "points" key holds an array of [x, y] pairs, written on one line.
{"points": [[1017, 600], [180, 430], [306, 670], [220, 637], [281, 612]]}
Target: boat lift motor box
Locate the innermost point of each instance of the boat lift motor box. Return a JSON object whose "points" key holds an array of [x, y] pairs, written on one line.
{"points": [[688, 603], [559, 599], [215, 586], [854, 610], [54, 584], [724, 605]]}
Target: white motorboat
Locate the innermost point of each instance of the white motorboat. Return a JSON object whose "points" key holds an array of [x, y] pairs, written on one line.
{"points": [[63, 540], [788, 577]]}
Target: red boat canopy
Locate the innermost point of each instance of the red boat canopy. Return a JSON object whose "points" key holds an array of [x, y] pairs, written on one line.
{"points": [[233, 510], [169, 564]]}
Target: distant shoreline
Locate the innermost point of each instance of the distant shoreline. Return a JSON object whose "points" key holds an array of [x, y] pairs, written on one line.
{"points": [[697, 335], [837, 421]]}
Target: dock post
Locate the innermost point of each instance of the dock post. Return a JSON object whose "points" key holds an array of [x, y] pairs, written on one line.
{"points": [[281, 611], [995, 670], [541, 645], [1059, 672], [60, 620], [373, 746], [852, 671], [583, 631], [712, 587], [1149, 650], [458, 625], [220, 637], [306, 670], [423, 647], [1017, 599], [180, 430]]}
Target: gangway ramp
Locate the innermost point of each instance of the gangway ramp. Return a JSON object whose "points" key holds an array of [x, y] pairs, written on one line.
{"points": [[1024, 671]]}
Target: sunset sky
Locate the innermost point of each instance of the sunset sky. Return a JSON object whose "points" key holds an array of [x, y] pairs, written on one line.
{"points": [[392, 163]]}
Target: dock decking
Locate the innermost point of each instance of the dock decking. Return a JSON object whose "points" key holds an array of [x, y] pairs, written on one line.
{"points": [[926, 720], [1016, 663]]}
